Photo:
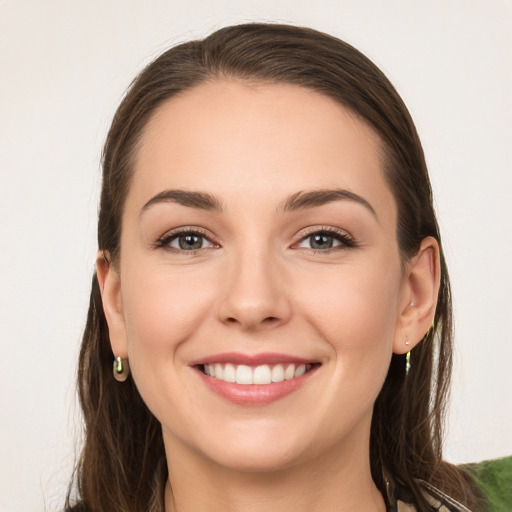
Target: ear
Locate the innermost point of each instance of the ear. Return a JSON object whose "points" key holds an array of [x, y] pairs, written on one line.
{"points": [[110, 289], [419, 296]]}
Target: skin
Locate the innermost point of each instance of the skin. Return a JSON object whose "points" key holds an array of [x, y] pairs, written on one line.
{"points": [[258, 286]]}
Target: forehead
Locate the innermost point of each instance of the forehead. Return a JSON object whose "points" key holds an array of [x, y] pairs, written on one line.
{"points": [[230, 138]]}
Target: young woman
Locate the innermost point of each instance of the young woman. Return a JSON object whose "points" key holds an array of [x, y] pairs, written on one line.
{"points": [[270, 290]]}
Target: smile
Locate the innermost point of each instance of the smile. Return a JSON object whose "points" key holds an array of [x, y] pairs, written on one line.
{"points": [[257, 379], [258, 375]]}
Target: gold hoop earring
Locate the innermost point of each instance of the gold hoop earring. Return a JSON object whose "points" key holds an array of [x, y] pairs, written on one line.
{"points": [[121, 369], [407, 363]]}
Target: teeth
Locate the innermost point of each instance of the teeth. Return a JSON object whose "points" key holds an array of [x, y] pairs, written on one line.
{"points": [[278, 373], [263, 374], [229, 373], [289, 373], [301, 370], [218, 371], [243, 374]]}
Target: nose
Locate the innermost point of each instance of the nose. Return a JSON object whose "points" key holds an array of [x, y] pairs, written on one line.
{"points": [[254, 294]]}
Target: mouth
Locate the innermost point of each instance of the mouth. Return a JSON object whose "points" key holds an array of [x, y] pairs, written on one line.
{"points": [[259, 379], [264, 374]]}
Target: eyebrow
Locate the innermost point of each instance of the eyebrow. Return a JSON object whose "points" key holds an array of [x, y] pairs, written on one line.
{"points": [[310, 199], [198, 200], [299, 201]]}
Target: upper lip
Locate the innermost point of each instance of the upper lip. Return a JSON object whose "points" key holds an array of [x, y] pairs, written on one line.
{"points": [[251, 359]]}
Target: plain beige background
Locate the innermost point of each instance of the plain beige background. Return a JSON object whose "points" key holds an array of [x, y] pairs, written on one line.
{"points": [[64, 67]]}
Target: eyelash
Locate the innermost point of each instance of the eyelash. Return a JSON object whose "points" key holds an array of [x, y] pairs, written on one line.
{"points": [[346, 241], [165, 241]]}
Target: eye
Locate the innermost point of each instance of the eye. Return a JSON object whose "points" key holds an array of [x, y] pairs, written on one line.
{"points": [[325, 240], [187, 241]]}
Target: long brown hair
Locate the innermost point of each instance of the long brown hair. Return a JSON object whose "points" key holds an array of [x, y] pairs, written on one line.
{"points": [[122, 466]]}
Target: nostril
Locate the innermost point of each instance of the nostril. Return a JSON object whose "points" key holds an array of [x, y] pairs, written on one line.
{"points": [[269, 321]]}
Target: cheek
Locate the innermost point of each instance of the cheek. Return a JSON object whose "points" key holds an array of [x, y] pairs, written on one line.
{"points": [[355, 312], [162, 309], [352, 305]]}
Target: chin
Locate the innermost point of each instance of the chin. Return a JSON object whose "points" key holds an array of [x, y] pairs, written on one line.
{"points": [[258, 449], [257, 460]]}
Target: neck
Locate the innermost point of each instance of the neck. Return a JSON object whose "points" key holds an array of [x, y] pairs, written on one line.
{"points": [[339, 480]]}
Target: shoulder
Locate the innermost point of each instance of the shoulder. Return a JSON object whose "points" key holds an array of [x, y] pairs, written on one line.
{"points": [[493, 479]]}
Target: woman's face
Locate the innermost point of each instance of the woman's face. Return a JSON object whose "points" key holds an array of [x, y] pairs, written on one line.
{"points": [[258, 242]]}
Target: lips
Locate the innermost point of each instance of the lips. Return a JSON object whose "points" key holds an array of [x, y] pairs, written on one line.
{"points": [[254, 379]]}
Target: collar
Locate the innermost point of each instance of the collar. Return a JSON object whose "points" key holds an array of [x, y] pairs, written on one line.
{"points": [[439, 501]]}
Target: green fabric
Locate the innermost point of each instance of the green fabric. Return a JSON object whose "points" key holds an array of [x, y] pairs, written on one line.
{"points": [[494, 479]]}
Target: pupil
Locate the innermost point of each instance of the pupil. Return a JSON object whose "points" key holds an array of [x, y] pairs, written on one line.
{"points": [[189, 242], [321, 242]]}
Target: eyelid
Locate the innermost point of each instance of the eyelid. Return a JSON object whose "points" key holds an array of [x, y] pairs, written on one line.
{"points": [[341, 235], [164, 240]]}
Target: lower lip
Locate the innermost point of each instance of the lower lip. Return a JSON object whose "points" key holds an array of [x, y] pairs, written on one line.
{"points": [[255, 394]]}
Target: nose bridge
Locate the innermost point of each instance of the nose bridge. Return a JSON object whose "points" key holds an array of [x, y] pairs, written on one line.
{"points": [[254, 295]]}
